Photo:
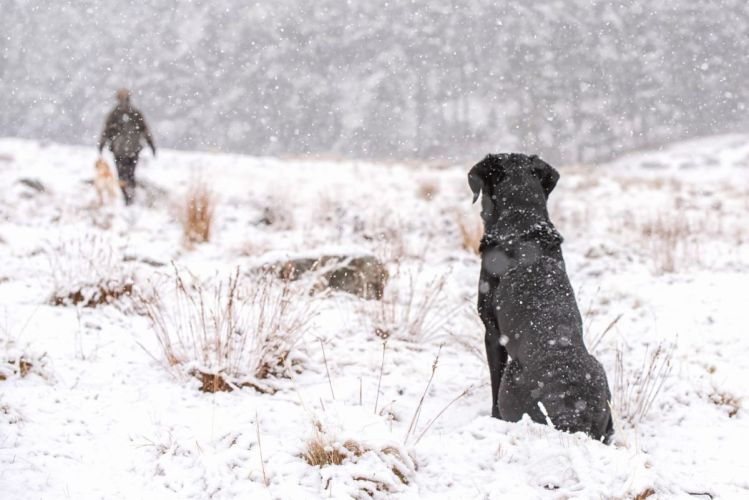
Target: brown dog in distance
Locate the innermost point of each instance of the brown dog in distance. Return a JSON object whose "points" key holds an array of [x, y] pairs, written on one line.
{"points": [[105, 182]]}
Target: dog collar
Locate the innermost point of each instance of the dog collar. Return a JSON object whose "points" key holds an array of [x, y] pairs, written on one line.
{"points": [[541, 232]]}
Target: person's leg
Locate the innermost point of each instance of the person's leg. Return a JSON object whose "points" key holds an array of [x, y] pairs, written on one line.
{"points": [[126, 173], [132, 161], [120, 162]]}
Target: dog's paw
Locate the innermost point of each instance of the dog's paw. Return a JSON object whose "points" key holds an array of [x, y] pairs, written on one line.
{"points": [[495, 412]]}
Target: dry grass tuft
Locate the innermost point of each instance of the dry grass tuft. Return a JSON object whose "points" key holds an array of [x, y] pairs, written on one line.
{"points": [[106, 293], [634, 394], [88, 271], [729, 401], [672, 242], [20, 366], [16, 360], [647, 493], [212, 382], [394, 452], [324, 451], [198, 213], [232, 334], [24, 366], [593, 341], [408, 311], [428, 189], [471, 230], [320, 452], [387, 230]]}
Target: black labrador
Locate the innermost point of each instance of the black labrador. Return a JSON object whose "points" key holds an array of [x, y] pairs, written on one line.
{"points": [[528, 306]]}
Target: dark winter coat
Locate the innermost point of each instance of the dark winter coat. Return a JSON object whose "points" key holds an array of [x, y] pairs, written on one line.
{"points": [[123, 130], [528, 306]]}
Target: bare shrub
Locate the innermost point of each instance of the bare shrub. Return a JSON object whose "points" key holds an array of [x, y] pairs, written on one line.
{"points": [[328, 221], [230, 335], [428, 188], [594, 340], [672, 242], [198, 212], [635, 393], [88, 271], [471, 229], [387, 230], [408, 311]]}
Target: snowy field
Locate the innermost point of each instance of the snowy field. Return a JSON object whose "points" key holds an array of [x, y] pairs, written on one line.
{"points": [[91, 406]]}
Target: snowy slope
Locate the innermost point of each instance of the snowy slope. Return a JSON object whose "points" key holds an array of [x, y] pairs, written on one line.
{"points": [[659, 258]]}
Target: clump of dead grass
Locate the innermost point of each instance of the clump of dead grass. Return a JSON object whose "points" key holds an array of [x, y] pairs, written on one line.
{"points": [[16, 359], [471, 229], [15, 366], [411, 309], [731, 403], [320, 452], [105, 293], [635, 392], [323, 450], [232, 334], [672, 242], [646, 493], [88, 271], [198, 212], [387, 231], [428, 188]]}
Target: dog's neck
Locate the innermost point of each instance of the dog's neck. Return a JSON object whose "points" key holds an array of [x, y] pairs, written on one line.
{"points": [[510, 230]]}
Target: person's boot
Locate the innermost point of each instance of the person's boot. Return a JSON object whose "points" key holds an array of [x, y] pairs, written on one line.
{"points": [[127, 194]]}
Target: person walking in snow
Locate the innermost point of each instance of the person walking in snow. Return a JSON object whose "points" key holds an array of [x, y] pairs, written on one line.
{"points": [[123, 130]]}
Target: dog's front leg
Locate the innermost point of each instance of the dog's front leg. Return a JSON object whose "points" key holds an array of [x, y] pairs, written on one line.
{"points": [[496, 353]]}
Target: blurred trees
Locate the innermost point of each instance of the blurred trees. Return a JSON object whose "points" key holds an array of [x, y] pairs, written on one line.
{"points": [[573, 80]]}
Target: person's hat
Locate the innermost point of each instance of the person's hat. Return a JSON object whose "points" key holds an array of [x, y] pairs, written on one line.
{"points": [[123, 94]]}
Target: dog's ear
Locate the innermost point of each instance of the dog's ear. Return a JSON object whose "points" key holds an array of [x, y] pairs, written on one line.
{"points": [[479, 175], [545, 173], [476, 183]]}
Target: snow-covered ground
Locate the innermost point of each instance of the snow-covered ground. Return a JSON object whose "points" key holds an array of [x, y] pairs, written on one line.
{"points": [[657, 247]]}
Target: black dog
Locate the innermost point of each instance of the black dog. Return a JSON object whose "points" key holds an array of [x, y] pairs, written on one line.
{"points": [[528, 306]]}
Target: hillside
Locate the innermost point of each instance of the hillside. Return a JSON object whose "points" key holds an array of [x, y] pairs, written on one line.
{"points": [[91, 407], [575, 81]]}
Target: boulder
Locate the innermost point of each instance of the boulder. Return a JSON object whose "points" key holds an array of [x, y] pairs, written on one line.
{"points": [[363, 276]]}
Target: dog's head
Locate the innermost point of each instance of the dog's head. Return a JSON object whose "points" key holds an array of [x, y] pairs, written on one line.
{"points": [[507, 180]]}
